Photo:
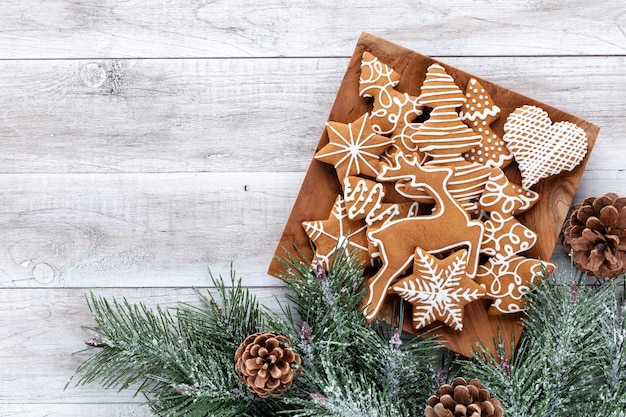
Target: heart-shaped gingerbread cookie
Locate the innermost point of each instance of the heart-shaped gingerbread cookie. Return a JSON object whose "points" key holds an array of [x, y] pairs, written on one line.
{"points": [[540, 147]]}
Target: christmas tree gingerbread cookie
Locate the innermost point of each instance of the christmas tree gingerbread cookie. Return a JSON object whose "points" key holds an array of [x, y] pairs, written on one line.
{"points": [[392, 109], [479, 111], [444, 137], [505, 197], [506, 281]]}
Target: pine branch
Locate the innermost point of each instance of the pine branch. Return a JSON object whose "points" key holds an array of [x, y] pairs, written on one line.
{"points": [[180, 359], [349, 395], [613, 365], [570, 359], [340, 349], [127, 356]]}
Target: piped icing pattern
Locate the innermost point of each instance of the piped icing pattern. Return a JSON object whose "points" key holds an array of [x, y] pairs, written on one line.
{"points": [[506, 281], [478, 112], [443, 134], [337, 233], [505, 197], [438, 289], [391, 109], [353, 148], [541, 148]]}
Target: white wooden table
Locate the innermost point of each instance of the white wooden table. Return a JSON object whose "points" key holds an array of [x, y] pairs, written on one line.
{"points": [[143, 142]]}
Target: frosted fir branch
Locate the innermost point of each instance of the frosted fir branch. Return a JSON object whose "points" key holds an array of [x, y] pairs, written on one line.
{"points": [[571, 347], [177, 357], [182, 358], [348, 395]]}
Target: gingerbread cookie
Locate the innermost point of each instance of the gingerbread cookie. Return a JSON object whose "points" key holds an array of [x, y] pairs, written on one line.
{"points": [[505, 237], [507, 198], [338, 232], [478, 112], [508, 280], [438, 289], [403, 142], [466, 185], [541, 148], [385, 214], [444, 138], [443, 135], [375, 76], [363, 197], [353, 148], [446, 228], [392, 109]]}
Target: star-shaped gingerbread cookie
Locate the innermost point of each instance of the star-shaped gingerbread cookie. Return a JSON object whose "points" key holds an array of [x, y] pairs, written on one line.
{"points": [[438, 289], [337, 233], [353, 148]]}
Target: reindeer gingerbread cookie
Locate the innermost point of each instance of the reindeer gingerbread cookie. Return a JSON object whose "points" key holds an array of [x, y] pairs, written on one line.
{"points": [[447, 227]]}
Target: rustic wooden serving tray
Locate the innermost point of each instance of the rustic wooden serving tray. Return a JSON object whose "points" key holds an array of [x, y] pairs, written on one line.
{"points": [[320, 186]]}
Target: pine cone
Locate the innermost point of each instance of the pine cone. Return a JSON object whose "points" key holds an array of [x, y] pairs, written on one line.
{"points": [[266, 363], [595, 235], [463, 399]]}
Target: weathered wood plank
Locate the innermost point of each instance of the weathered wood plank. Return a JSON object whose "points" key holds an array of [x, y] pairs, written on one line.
{"points": [[160, 230], [41, 339], [134, 230], [162, 115], [243, 28], [227, 141], [76, 409], [240, 114]]}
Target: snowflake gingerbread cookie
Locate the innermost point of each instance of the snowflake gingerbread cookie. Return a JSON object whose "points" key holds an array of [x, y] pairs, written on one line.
{"points": [[353, 148], [438, 289]]}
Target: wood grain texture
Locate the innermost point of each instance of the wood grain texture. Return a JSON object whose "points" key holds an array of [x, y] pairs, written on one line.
{"points": [[143, 142], [75, 410], [243, 28], [246, 115], [135, 230]]}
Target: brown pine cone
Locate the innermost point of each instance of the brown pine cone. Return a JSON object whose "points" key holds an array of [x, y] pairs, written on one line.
{"points": [[595, 235], [266, 363], [463, 399]]}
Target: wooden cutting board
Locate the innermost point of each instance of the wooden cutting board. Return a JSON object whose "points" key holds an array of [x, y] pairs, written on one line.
{"points": [[320, 186]]}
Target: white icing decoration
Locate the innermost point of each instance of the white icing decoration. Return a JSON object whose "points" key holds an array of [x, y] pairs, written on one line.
{"points": [[505, 197], [391, 108], [542, 148], [505, 237], [507, 281], [345, 236], [360, 148], [438, 293], [362, 197]]}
